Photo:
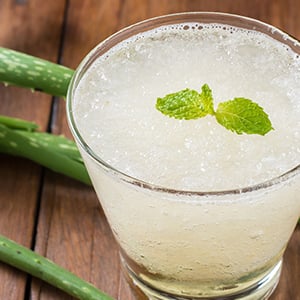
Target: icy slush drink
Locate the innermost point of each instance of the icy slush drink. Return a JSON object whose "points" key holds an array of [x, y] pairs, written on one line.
{"points": [[198, 211]]}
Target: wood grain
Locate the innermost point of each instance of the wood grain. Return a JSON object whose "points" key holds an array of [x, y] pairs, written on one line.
{"points": [[33, 29], [62, 218]]}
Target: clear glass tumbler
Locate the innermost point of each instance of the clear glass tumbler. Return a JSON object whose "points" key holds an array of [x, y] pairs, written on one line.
{"points": [[228, 248]]}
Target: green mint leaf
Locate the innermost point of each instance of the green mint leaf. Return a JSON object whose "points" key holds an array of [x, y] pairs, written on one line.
{"points": [[239, 115], [187, 104], [207, 103], [184, 104], [243, 116]]}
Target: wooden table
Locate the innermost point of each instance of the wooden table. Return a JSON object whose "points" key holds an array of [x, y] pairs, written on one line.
{"points": [[56, 216]]}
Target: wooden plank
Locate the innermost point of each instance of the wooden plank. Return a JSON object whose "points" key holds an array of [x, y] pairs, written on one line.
{"points": [[87, 23], [24, 26], [73, 232], [72, 229]]}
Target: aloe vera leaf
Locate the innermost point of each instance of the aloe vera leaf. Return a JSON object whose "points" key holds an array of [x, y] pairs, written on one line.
{"points": [[38, 266], [15, 123], [20, 69], [15, 143], [55, 143]]}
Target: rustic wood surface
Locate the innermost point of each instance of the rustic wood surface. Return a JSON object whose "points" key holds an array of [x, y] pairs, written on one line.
{"points": [[56, 216]]}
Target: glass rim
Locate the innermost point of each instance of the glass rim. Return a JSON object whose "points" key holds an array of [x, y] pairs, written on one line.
{"points": [[142, 26]]}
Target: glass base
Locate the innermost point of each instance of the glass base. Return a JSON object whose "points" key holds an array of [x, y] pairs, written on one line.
{"points": [[262, 290]]}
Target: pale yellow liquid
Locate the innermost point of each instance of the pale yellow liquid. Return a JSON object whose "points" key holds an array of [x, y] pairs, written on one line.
{"points": [[193, 245]]}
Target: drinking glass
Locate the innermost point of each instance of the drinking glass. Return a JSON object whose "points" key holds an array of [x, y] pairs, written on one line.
{"points": [[177, 244]]}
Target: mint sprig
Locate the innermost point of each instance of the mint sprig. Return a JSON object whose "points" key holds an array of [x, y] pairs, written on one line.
{"points": [[239, 115]]}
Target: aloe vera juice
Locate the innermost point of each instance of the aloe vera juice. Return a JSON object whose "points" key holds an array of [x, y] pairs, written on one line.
{"points": [[198, 210]]}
